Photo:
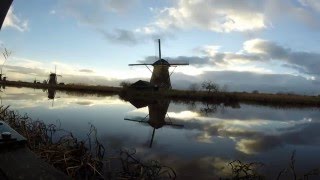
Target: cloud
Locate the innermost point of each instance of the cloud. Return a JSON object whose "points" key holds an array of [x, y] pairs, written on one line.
{"points": [[253, 51], [249, 81], [26, 70], [13, 21], [86, 70], [121, 36], [259, 50], [121, 5], [235, 16], [213, 15], [305, 62], [94, 14], [192, 60], [314, 4]]}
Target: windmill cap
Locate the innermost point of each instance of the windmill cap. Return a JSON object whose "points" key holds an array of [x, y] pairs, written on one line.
{"points": [[161, 62]]}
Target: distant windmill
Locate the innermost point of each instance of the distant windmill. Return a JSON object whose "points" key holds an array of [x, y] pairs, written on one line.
{"points": [[160, 74], [53, 77], [157, 116]]}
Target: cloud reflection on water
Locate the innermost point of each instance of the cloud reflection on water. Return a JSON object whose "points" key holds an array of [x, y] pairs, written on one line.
{"points": [[206, 143]]}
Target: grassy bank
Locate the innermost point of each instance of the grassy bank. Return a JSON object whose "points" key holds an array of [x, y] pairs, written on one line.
{"points": [[229, 98], [275, 100], [67, 87]]}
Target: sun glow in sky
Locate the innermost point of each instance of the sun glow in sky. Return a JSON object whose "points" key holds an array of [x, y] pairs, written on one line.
{"points": [[93, 41]]}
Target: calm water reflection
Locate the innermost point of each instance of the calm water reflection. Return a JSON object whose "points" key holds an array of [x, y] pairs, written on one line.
{"points": [[197, 140]]}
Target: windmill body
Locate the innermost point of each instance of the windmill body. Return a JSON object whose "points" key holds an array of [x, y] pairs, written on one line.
{"points": [[160, 77], [53, 77]]}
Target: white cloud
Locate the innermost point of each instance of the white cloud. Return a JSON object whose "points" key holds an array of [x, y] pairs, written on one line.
{"points": [[214, 15], [95, 14], [15, 22], [314, 4], [250, 46]]}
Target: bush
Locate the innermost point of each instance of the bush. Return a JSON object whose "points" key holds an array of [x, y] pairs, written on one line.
{"points": [[125, 84], [210, 86]]}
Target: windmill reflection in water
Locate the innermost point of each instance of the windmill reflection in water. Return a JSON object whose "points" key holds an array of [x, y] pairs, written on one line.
{"points": [[157, 117], [52, 95]]}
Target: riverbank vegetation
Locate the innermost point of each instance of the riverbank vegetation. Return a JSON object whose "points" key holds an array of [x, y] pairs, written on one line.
{"points": [[81, 159], [207, 92]]}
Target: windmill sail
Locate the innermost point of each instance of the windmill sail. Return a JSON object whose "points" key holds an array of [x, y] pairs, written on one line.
{"points": [[4, 7]]}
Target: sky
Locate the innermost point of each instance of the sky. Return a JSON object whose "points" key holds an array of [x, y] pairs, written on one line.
{"points": [[265, 45]]}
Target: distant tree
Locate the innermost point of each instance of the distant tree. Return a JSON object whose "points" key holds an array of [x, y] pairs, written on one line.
{"points": [[125, 84], [210, 86], [6, 54], [194, 87], [255, 92]]}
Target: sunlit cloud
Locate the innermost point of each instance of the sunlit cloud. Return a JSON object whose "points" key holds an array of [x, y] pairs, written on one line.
{"points": [[13, 21], [212, 15]]}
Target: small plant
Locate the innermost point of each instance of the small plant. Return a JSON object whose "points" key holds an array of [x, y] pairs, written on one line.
{"points": [[242, 170]]}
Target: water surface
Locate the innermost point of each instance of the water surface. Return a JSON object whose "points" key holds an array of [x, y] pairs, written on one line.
{"points": [[198, 140]]}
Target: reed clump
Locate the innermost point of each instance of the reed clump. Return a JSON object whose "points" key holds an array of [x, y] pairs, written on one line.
{"points": [[64, 151], [80, 159]]}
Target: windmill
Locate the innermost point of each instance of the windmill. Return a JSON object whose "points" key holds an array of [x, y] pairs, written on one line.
{"points": [[160, 75], [53, 77], [157, 116]]}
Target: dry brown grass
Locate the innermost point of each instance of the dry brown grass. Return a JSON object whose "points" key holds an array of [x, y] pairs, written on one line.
{"points": [[80, 159]]}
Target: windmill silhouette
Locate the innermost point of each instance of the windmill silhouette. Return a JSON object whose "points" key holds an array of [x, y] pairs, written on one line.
{"points": [[157, 117], [53, 80], [160, 75]]}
